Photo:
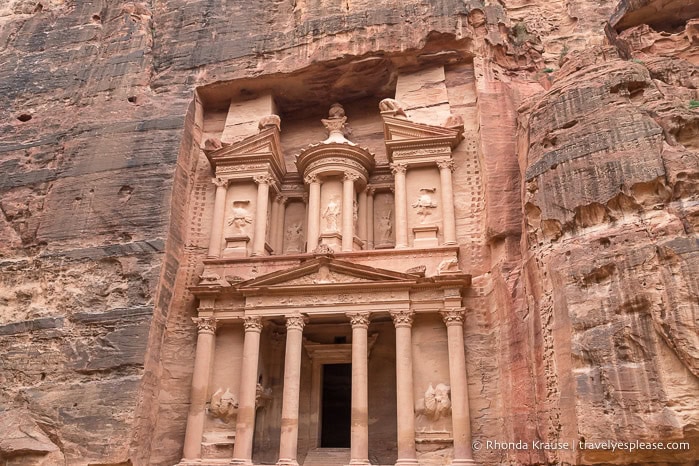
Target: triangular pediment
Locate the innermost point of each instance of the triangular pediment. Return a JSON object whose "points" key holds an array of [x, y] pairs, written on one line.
{"points": [[326, 271], [265, 144], [401, 129]]}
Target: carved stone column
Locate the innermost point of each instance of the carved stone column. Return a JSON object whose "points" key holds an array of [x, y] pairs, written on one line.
{"points": [[245, 425], [274, 227], [313, 230], [461, 419], [405, 403], [288, 442], [401, 204], [370, 218], [278, 220], [361, 219], [200, 386], [445, 169], [219, 216], [348, 211], [263, 182], [359, 443]]}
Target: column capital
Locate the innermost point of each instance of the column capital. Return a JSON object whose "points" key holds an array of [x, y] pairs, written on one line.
{"points": [[308, 179], [205, 324], [446, 164], [402, 318], [281, 199], [252, 324], [399, 167], [351, 176], [220, 182], [370, 191], [453, 316], [359, 319], [296, 322], [265, 178]]}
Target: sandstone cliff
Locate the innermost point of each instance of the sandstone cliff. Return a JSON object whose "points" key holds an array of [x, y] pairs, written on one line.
{"points": [[581, 234]]}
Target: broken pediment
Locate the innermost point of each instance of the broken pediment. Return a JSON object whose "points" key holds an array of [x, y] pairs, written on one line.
{"points": [[403, 134], [262, 147]]}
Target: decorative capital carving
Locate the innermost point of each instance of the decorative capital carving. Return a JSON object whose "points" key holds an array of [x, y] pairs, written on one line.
{"points": [[453, 316], [399, 167], [445, 164], [370, 191], [359, 319], [295, 322], [220, 182], [252, 324], [263, 179], [351, 176], [308, 179], [205, 324], [402, 318], [282, 199]]}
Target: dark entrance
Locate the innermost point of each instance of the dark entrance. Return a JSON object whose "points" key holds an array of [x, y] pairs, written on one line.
{"points": [[336, 406]]}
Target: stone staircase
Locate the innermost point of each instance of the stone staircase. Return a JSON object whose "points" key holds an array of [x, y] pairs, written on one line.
{"points": [[328, 457]]}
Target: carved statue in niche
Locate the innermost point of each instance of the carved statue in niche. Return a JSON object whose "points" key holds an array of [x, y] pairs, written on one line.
{"points": [[262, 396], [241, 218], [223, 405], [293, 237], [424, 204], [385, 227], [437, 401], [331, 213]]}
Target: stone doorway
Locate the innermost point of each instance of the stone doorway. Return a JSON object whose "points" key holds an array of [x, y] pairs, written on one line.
{"points": [[336, 406]]}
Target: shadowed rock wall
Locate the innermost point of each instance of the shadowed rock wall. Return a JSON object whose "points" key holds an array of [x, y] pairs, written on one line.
{"points": [[584, 147]]}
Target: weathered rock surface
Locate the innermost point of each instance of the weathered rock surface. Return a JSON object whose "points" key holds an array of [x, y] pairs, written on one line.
{"points": [[583, 152]]}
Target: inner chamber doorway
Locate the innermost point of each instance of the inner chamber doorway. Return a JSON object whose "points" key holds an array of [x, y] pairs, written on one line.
{"points": [[336, 406]]}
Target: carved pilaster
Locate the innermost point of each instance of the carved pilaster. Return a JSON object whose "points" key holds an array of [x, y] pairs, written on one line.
{"points": [[263, 179], [454, 316], [445, 164], [220, 182], [205, 324], [399, 167]]}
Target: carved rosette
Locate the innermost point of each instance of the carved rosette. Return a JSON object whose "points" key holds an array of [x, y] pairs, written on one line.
{"points": [[252, 324], [295, 322], [220, 182], [402, 319], [359, 319], [263, 179], [453, 316], [445, 164], [205, 324], [399, 167]]}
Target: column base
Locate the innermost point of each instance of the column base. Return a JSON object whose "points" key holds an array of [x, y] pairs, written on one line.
{"points": [[463, 462], [408, 462], [243, 462], [359, 463], [287, 462]]}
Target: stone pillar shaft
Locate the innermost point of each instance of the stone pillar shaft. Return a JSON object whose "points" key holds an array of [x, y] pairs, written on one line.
{"points": [[245, 425], [401, 205], [313, 231], [274, 227], [279, 224], [258, 247], [405, 402], [216, 237], [200, 387], [370, 218], [445, 168], [461, 422], [361, 219], [359, 443], [348, 212], [288, 443]]}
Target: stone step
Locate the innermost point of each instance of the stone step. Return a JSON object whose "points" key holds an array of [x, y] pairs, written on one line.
{"points": [[328, 457]]}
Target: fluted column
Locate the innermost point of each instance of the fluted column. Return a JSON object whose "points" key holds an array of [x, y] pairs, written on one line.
{"points": [[401, 204], [359, 442], [263, 182], [348, 211], [288, 442], [219, 215], [445, 169], [200, 386], [370, 218], [313, 230], [245, 425], [405, 404], [460, 416]]}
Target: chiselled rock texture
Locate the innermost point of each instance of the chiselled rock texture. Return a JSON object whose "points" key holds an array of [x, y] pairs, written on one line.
{"points": [[576, 201]]}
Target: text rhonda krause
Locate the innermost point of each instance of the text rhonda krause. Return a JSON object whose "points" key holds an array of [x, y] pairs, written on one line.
{"points": [[611, 445]]}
